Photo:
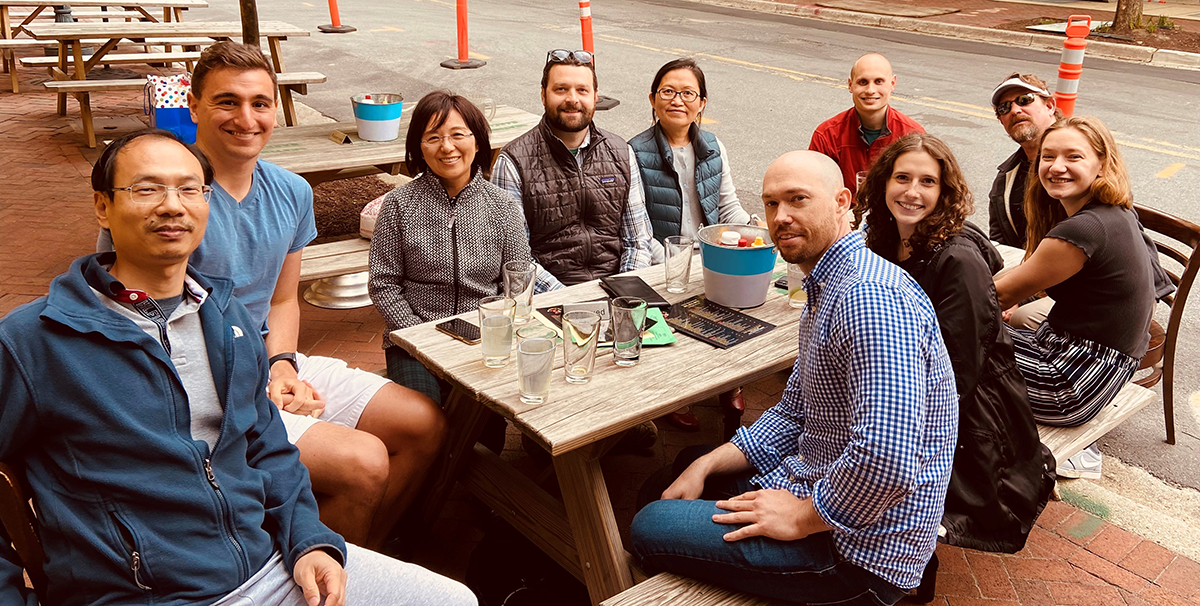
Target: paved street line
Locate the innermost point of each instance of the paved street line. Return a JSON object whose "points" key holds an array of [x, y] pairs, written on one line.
{"points": [[478, 56], [1170, 171], [930, 102], [961, 104], [1157, 142], [386, 28]]}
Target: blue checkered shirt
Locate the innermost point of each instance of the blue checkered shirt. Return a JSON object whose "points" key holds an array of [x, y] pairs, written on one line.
{"points": [[869, 419], [636, 234]]}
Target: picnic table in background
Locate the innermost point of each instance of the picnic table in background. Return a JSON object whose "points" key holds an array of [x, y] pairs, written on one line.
{"points": [[579, 423], [309, 152]]}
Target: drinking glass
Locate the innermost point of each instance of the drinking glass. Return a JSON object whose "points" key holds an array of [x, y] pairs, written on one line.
{"points": [[496, 329], [678, 263], [581, 331], [795, 280], [518, 286], [628, 318], [535, 330], [535, 358]]}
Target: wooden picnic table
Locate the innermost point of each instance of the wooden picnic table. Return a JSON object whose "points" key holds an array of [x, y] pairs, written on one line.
{"points": [[579, 423], [309, 152], [171, 9]]}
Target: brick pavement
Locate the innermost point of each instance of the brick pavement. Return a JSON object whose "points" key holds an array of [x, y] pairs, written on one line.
{"points": [[46, 221]]}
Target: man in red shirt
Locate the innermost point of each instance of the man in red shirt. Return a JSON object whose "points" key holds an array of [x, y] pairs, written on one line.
{"points": [[855, 137]]}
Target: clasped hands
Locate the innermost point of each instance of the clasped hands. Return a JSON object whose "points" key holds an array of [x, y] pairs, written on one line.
{"points": [[295, 396]]}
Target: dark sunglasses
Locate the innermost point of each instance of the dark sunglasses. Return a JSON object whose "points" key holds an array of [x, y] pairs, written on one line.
{"points": [[562, 55], [1006, 106]]}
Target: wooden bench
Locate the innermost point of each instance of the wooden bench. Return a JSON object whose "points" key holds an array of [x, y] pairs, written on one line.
{"points": [[82, 89], [80, 14], [186, 57], [1065, 442], [675, 590], [332, 259]]}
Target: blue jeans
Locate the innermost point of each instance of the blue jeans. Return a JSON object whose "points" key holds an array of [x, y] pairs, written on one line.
{"points": [[680, 537]]}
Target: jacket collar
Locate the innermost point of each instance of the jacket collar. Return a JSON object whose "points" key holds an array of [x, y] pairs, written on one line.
{"points": [[664, 147], [72, 303], [1013, 161], [831, 263], [559, 149]]}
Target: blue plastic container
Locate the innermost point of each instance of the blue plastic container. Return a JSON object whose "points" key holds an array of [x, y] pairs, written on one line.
{"points": [[736, 277], [175, 119], [378, 115]]}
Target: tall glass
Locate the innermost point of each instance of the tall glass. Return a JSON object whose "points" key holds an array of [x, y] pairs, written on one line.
{"points": [[581, 331], [535, 358], [678, 263], [535, 330], [628, 319], [518, 286], [795, 280], [496, 329]]}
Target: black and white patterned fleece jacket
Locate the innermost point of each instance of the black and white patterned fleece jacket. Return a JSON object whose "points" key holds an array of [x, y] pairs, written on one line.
{"points": [[433, 256]]}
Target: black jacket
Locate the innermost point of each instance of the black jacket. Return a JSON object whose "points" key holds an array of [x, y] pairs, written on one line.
{"points": [[1002, 472]]}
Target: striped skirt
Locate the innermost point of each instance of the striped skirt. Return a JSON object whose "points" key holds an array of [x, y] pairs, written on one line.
{"points": [[1069, 379]]}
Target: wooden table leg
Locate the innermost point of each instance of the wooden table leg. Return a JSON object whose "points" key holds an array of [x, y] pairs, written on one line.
{"points": [[465, 417], [62, 67], [285, 94], [85, 116], [10, 55], [593, 524]]}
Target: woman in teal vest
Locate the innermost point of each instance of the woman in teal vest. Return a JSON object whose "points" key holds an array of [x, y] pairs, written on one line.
{"points": [[685, 175]]}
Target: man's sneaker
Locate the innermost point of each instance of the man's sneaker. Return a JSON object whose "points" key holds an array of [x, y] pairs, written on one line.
{"points": [[1086, 464]]}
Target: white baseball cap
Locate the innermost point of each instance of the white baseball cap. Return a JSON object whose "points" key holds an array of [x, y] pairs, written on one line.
{"points": [[1012, 83]]}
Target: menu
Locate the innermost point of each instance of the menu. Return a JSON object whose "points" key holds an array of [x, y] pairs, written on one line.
{"points": [[714, 324]]}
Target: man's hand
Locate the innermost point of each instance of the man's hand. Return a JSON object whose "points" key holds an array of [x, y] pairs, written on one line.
{"points": [[318, 574], [295, 396], [777, 514], [689, 485], [1006, 315]]}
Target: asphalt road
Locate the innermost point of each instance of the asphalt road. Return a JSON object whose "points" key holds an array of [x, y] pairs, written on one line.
{"points": [[772, 79]]}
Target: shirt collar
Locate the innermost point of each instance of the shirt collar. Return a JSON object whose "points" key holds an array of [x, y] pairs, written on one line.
{"points": [[884, 132], [832, 259], [97, 277]]}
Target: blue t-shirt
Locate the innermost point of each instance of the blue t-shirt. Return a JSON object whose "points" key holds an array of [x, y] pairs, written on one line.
{"points": [[248, 241]]}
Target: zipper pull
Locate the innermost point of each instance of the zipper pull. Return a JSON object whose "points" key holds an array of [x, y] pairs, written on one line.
{"points": [[450, 225], [136, 566], [212, 477]]}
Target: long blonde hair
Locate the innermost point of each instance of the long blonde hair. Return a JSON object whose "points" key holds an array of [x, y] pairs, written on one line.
{"points": [[1110, 187]]}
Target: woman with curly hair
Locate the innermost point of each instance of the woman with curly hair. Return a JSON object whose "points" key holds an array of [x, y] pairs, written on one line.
{"points": [[917, 202], [1084, 247]]}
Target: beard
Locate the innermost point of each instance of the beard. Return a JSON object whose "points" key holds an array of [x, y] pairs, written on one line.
{"points": [[1024, 132], [814, 241], [570, 125]]}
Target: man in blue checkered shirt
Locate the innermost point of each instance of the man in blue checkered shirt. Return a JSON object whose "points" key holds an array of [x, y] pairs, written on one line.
{"points": [[835, 494]]}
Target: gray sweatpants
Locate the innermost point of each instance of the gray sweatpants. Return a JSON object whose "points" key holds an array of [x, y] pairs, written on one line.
{"points": [[371, 579]]}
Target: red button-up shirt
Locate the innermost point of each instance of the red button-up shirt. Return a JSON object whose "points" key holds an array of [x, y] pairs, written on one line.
{"points": [[841, 138]]}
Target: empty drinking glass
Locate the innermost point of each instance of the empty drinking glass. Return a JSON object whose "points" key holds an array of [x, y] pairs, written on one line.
{"points": [[535, 330], [581, 331], [678, 262], [535, 358], [496, 329], [628, 318], [518, 286]]}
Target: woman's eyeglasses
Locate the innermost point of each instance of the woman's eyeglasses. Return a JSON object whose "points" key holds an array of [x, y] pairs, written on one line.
{"points": [[669, 94], [1006, 106], [562, 55]]}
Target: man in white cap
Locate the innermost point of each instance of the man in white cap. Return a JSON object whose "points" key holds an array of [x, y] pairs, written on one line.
{"points": [[1025, 108]]}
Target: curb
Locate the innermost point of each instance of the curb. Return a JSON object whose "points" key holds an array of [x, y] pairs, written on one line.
{"points": [[1105, 50]]}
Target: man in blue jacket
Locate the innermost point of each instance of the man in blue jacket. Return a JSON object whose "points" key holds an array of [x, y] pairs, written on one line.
{"points": [[135, 399]]}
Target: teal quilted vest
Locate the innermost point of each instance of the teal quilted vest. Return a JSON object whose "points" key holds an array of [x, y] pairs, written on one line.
{"points": [[664, 200]]}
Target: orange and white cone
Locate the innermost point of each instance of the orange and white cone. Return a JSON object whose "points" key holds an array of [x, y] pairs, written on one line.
{"points": [[1070, 66]]}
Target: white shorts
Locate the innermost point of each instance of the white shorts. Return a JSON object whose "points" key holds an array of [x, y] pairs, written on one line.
{"points": [[345, 390]]}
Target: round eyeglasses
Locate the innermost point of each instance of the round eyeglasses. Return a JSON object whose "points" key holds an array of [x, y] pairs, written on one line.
{"points": [[668, 94], [436, 140], [155, 193]]}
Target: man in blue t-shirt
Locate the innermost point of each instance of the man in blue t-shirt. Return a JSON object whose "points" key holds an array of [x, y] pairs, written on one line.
{"points": [[368, 460]]}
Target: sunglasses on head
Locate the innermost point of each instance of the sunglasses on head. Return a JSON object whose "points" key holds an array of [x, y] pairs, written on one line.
{"points": [[561, 55], [1006, 106]]}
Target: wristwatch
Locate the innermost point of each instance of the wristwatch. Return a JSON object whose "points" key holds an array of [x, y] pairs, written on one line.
{"points": [[290, 356]]}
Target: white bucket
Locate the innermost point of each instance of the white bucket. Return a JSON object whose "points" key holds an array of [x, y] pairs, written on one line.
{"points": [[378, 115]]}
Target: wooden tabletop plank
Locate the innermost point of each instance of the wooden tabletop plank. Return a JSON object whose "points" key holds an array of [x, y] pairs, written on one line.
{"points": [[308, 149], [616, 398], [146, 29], [117, 3]]}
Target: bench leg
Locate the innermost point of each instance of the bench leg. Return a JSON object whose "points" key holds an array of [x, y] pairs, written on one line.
{"points": [[593, 524], [85, 116], [12, 71]]}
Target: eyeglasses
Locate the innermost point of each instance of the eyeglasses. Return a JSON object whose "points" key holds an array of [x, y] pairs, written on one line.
{"points": [[155, 193], [562, 55], [668, 94], [1006, 106], [436, 140]]}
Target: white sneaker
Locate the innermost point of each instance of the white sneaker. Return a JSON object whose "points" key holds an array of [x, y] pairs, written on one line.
{"points": [[1086, 464]]}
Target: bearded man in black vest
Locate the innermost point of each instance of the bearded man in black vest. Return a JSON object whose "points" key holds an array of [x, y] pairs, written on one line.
{"points": [[579, 186]]}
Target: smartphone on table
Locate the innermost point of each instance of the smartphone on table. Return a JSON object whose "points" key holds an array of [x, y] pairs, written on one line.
{"points": [[460, 329]]}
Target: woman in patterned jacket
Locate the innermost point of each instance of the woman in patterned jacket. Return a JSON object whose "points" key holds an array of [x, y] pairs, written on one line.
{"points": [[441, 241]]}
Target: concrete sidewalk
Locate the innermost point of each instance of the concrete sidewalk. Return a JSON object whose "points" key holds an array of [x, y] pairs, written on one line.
{"points": [[978, 20], [46, 220]]}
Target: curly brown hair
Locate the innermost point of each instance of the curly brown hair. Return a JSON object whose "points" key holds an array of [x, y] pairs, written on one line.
{"points": [[953, 206]]}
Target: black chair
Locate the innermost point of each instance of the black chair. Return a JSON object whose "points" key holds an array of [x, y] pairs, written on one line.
{"points": [[20, 526]]}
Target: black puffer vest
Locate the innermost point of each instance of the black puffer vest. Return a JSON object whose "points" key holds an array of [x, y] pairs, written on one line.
{"points": [[664, 200], [573, 209]]}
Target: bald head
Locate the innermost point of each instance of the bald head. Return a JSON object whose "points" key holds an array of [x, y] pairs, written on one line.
{"points": [[806, 205], [873, 62], [871, 83]]}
